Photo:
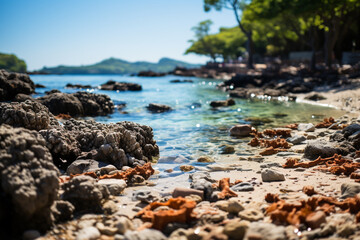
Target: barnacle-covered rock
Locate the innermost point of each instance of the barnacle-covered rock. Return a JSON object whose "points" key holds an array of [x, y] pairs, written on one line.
{"points": [[29, 180], [95, 104], [84, 193], [14, 83], [62, 103], [29, 114]]}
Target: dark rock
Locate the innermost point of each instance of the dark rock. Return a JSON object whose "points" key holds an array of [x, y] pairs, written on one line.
{"points": [[86, 165], [296, 139], [39, 86], [95, 104], [243, 187], [120, 86], [29, 180], [78, 86], [14, 83], [315, 97], [203, 182], [145, 196], [349, 190], [225, 103], [20, 97], [29, 114], [62, 210], [150, 74], [243, 130], [52, 91], [320, 148], [181, 81], [158, 108], [63, 103]]}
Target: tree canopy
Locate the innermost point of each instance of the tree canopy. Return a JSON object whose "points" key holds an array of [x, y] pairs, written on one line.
{"points": [[11, 63]]}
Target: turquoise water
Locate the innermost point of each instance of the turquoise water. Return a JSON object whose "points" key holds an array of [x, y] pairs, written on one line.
{"points": [[193, 128]]}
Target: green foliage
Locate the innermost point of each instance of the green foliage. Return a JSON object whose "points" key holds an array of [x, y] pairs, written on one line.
{"points": [[11, 63], [118, 66]]}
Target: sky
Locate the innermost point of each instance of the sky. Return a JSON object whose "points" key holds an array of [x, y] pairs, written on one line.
{"points": [[79, 32]]}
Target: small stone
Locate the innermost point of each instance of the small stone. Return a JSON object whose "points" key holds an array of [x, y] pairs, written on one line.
{"points": [[88, 233], [243, 187], [110, 231], [241, 130], [205, 159], [315, 219], [114, 186], [222, 205], [306, 127], [110, 207], [251, 215], [145, 196], [296, 139], [31, 235], [266, 231], [183, 192], [234, 206], [227, 149], [346, 230], [311, 137], [194, 198], [218, 167], [186, 168], [269, 165], [256, 158], [269, 175], [123, 224], [349, 190], [236, 229], [146, 234]]}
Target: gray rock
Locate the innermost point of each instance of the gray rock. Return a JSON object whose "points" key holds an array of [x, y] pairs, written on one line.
{"points": [[269, 175], [223, 103], [123, 224], [243, 187], [28, 179], [306, 127], [88, 233], [120, 86], [204, 185], [14, 83], [267, 231], [236, 229], [349, 190], [241, 130], [146, 234], [114, 186], [269, 165], [320, 148], [84, 193], [234, 206], [296, 139], [251, 215], [145, 196], [87, 165]]}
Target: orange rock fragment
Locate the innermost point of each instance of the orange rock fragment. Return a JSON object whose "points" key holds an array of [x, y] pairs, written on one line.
{"points": [[285, 133], [65, 179], [292, 126], [145, 171], [271, 197], [254, 142], [63, 116], [226, 192], [181, 211], [269, 151], [309, 190]]}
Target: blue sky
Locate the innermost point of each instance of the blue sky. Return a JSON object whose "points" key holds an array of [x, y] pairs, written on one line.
{"points": [[76, 32]]}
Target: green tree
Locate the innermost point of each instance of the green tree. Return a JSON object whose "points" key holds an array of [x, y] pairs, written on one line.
{"points": [[11, 63], [237, 7]]}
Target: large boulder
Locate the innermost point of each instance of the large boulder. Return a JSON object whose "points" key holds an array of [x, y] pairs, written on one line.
{"points": [[95, 104], [63, 103], [29, 180], [29, 114], [14, 83], [320, 148], [120, 86]]}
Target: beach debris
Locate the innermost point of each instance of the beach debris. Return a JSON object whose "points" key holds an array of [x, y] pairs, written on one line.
{"points": [[181, 211], [309, 190], [227, 149], [242, 187], [271, 197]]}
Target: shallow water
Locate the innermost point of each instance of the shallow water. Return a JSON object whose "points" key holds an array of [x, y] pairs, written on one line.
{"points": [[193, 128]]}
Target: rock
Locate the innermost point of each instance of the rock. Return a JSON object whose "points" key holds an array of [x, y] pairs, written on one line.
{"points": [[173, 159], [269, 175], [296, 139], [39, 86], [349, 190], [84, 193], [218, 167], [28, 180], [14, 83], [145, 196], [269, 165], [28, 114], [52, 91], [20, 97], [114, 186], [202, 181], [146, 234], [251, 215], [158, 108], [319, 148], [106, 230], [222, 205], [236, 229], [227, 149], [346, 230], [315, 219], [88, 165], [234, 206], [95, 104], [241, 130], [62, 103], [183, 192], [266, 231], [205, 159], [150, 74], [78, 86], [315, 97], [186, 168], [62, 210], [88, 233], [311, 137], [243, 187], [306, 127], [31, 235], [225, 103], [181, 81], [120, 86], [123, 224]]}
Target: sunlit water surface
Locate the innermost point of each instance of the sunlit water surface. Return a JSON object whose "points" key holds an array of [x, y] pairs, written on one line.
{"points": [[193, 128]]}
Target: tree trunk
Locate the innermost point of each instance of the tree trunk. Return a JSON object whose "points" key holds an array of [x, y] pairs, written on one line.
{"points": [[250, 50], [328, 49]]}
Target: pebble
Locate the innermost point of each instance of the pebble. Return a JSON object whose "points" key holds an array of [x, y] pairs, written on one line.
{"points": [[269, 165], [107, 230], [222, 205], [217, 167], [186, 168], [205, 159], [241, 130], [88, 233], [269, 175], [306, 127], [256, 158], [296, 139], [234, 206], [314, 220], [183, 192], [227, 149], [123, 224], [251, 215], [114, 186], [236, 229], [266, 231], [145, 196], [243, 187]]}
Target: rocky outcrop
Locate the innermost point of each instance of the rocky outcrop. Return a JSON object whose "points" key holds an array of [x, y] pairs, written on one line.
{"points": [[158, 108], [14, 83], [150, 74], [223, 103], [29, 114], [29, 180], [120, 86], [78, 86], [78, 104]]}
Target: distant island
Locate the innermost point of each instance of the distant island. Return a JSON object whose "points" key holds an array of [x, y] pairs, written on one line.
{"points": [[118, 66]]}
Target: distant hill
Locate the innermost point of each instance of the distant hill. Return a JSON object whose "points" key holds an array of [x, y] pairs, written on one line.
{"points": [[118, 66], [12, 63]]}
